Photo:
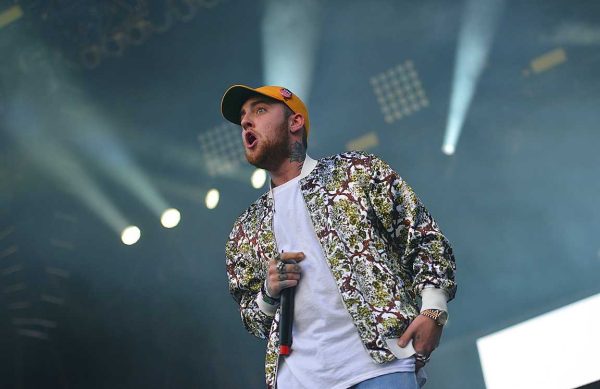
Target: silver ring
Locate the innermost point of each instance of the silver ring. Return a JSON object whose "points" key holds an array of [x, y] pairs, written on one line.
{"points": [[281, 267], [422, 358]]}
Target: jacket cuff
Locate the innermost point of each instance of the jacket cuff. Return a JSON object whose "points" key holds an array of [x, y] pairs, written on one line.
{"points": [[267, 308], [434, 298]]}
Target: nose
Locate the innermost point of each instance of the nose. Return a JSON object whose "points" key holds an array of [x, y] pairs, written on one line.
{"points": [[246, 123]]}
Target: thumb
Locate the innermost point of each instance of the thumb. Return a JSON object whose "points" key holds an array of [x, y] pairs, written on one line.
{"points": [[405, 338]]}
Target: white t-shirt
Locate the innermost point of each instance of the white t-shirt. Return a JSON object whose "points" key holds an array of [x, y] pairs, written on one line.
{"points": [[327, 351]]}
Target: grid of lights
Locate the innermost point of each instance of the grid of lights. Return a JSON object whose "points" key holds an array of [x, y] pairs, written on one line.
{"points": [[399, 92], [222, 150]]}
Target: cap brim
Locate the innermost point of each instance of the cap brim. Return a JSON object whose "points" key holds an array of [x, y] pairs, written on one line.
{"points": [[232, 102]]}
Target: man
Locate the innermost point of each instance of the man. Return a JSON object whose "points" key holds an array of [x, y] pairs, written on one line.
{"points": [[355, 241]]}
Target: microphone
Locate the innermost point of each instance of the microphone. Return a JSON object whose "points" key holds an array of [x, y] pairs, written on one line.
{"points": [[286, 319]]}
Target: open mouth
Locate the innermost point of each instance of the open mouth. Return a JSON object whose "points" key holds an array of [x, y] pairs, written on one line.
{"points": [[250, 139]]}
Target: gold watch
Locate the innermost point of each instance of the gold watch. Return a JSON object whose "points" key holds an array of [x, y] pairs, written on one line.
{"points": [[440, 317]]}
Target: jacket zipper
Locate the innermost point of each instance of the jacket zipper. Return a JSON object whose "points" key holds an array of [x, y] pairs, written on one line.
{"points": [[327, 263]]}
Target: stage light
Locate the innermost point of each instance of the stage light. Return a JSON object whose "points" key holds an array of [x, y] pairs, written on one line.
{"points": [[399, 92], [48, 126], [10, 15], [448, 149], [259, 177], [364, 143], [474, 43], [222, 150], [556, 350], [549, 60], [131, 235], [212, 199], [170, 218]]}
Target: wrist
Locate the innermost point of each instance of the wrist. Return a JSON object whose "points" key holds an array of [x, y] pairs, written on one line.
{"points": [[266, 296]]}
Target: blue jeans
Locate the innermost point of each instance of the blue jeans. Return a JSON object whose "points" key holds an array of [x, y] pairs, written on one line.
{"points": [[405, 380]]}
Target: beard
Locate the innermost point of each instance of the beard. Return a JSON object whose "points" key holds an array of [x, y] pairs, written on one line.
{"points": [[269, 153]]}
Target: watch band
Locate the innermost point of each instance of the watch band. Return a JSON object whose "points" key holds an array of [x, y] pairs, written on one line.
{"points": [[440, 317]]}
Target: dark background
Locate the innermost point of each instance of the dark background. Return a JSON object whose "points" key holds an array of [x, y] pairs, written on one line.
{"points": [[78, 309]]}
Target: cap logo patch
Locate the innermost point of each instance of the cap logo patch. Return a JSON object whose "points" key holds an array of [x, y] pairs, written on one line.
{"points": [[285, 93]]}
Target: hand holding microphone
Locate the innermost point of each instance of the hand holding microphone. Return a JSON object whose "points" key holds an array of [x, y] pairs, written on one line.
{"points": [[284, 274]]}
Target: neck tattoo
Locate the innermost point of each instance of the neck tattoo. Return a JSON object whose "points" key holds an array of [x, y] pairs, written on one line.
{"points": [[298, 153]]}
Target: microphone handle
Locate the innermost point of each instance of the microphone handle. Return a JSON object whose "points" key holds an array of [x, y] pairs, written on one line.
{"points": [[286, 319]]}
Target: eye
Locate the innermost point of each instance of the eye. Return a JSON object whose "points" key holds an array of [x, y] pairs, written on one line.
{"points": [[260, 110]]}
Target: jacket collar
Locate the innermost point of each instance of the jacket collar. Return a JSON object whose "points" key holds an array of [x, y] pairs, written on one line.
{"points": [[308, 166]]}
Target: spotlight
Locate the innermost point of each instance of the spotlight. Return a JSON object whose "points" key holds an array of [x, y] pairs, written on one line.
{"points": [[170, 218], [259, 177], [131, 235], [448, 149], [212, 199]]}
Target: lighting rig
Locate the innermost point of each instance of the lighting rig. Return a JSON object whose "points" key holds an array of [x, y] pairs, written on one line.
{"points": [[89, 31]]}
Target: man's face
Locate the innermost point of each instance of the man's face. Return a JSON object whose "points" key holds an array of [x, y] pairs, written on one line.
{"points": [[265, 133]]}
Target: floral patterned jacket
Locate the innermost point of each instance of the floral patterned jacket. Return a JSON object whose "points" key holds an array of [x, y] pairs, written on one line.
{"points": [[381, 244]]}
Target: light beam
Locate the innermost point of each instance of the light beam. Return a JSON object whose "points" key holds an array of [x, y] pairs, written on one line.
{"points": [[290, 31], [474, 42]]}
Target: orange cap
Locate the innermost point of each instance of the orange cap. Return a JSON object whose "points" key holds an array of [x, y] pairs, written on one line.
{"points": [[236, 96]]}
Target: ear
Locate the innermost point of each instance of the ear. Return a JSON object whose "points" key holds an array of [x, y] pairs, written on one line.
{"points": [[295, 123]]}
